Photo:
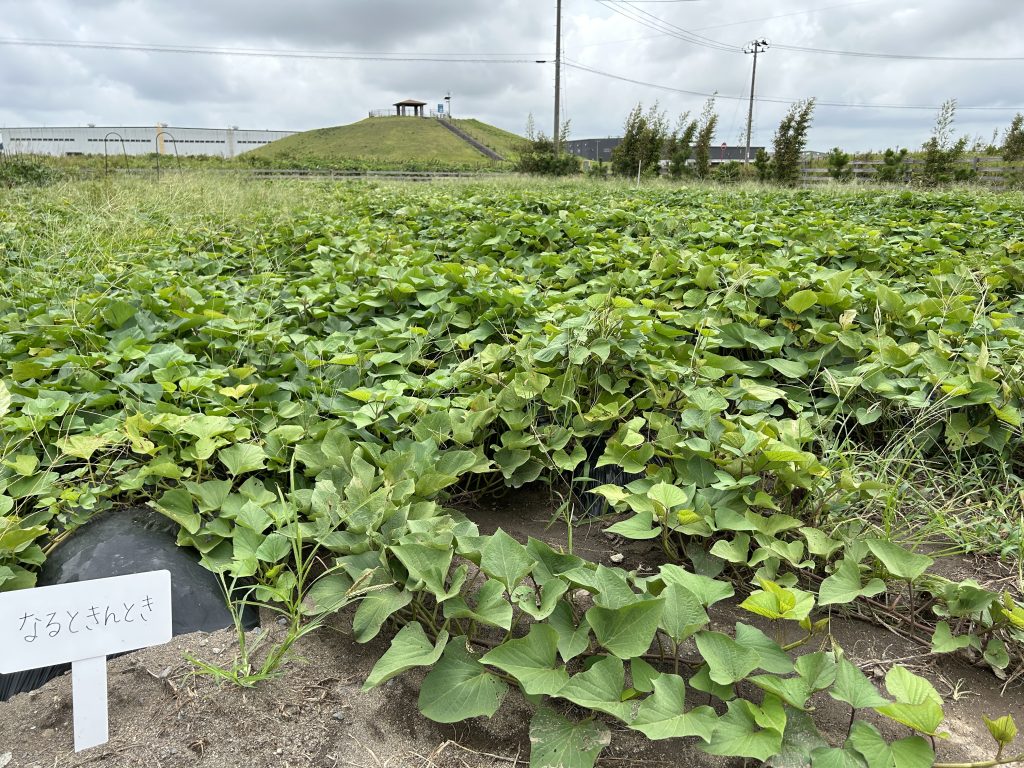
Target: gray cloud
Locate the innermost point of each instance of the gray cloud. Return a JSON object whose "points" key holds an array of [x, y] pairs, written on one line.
{"points": [[75, 86]]}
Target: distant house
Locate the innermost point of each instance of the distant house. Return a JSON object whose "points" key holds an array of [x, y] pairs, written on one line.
{"points": [[601, 149]]}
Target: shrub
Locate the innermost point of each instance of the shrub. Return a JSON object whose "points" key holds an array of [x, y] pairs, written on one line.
{"points": [[893, 169], [942, 154], [764, 165], [705, 135], [26, 171], [1013, 142], [642, 142], [729, 172], [539, 158], [839, 165], [680, 146], [790, 141]]}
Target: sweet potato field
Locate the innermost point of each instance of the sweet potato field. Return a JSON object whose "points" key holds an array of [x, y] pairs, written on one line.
{"points": [[806, 401]]}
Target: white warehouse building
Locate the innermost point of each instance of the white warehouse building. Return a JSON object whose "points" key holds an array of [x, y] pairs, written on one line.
{"points": [[220, 142]]}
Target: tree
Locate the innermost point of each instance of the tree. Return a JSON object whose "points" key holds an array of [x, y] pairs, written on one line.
{"points": [[790, 141], [839, 165], [705, 135], [679, 146], [1013, 142], [893, 169], [642, 142], [538, 156], [941, 153]]}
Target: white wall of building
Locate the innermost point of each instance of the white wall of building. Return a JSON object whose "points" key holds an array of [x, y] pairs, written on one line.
{"points": [[221, 142]]}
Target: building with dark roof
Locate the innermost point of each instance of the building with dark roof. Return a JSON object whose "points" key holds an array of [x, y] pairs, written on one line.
{"points": [[601, 150]]}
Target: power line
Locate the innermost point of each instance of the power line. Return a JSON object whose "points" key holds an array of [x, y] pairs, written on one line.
{"points": [[804, 12], [650, 21], [778, 100], [667, 28], [898, 56], [459, 58]]}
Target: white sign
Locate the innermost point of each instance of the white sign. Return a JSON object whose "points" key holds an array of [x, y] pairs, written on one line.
{"points": [[84, 622]]}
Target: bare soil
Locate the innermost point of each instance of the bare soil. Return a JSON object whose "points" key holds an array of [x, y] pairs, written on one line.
{"points": [[162, 715]]}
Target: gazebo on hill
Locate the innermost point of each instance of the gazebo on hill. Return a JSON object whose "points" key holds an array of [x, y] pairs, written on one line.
{"points": [[402, 108]]}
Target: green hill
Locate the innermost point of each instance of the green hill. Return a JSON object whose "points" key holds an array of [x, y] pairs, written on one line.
{"points": [[387, 142]]}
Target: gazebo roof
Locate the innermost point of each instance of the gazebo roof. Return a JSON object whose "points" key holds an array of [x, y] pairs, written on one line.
{"points": [[410, 103]]}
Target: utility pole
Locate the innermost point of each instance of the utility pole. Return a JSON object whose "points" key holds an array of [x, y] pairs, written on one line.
{"points": [[756, 47], [558, 77]]}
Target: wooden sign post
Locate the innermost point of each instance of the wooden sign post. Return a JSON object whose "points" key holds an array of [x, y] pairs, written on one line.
{"points": [[84, 622]]}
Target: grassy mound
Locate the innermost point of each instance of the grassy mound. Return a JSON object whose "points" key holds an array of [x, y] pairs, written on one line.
{"points": [[386, 142]]}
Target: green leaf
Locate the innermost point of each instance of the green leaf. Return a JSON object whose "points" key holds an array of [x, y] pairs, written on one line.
{"points": [[828, 757], [491, 606], [640, 527], [844, 585], [600, 688], [819, 544], [708, 591], [177, 505], [854, 688], [701, 681], [274, 548], [914, 752], [627, 631], [662, 715], [460, 687], [794, 691], [1003, 730], [410, 648], [737, 734], [25, 464], [556, 742], [771, 657], [898, 561], [801, 301], [818, 670], [736, 551], [918, 705], [776, 602], [15, 537], [211, 495], [5, 399], [525, 597], [683, 614], [643, 675], [328, 594], [944, 642], [907, 687], [427, 566], [668, 496], [374, 609], [996, 655], [242, 457], [728, 661], [253, 517], [505, 559], [572, 640], [531, 660]]}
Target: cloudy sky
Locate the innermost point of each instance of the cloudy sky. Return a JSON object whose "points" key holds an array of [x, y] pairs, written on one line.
{"points": [[686, 45]]}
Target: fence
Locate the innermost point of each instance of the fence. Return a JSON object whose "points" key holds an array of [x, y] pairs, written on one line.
{"points": [[391, 113], [990, 171], [320, 175]]}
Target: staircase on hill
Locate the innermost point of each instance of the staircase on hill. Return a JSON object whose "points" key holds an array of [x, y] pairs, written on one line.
{"points": [[469, 139]]}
